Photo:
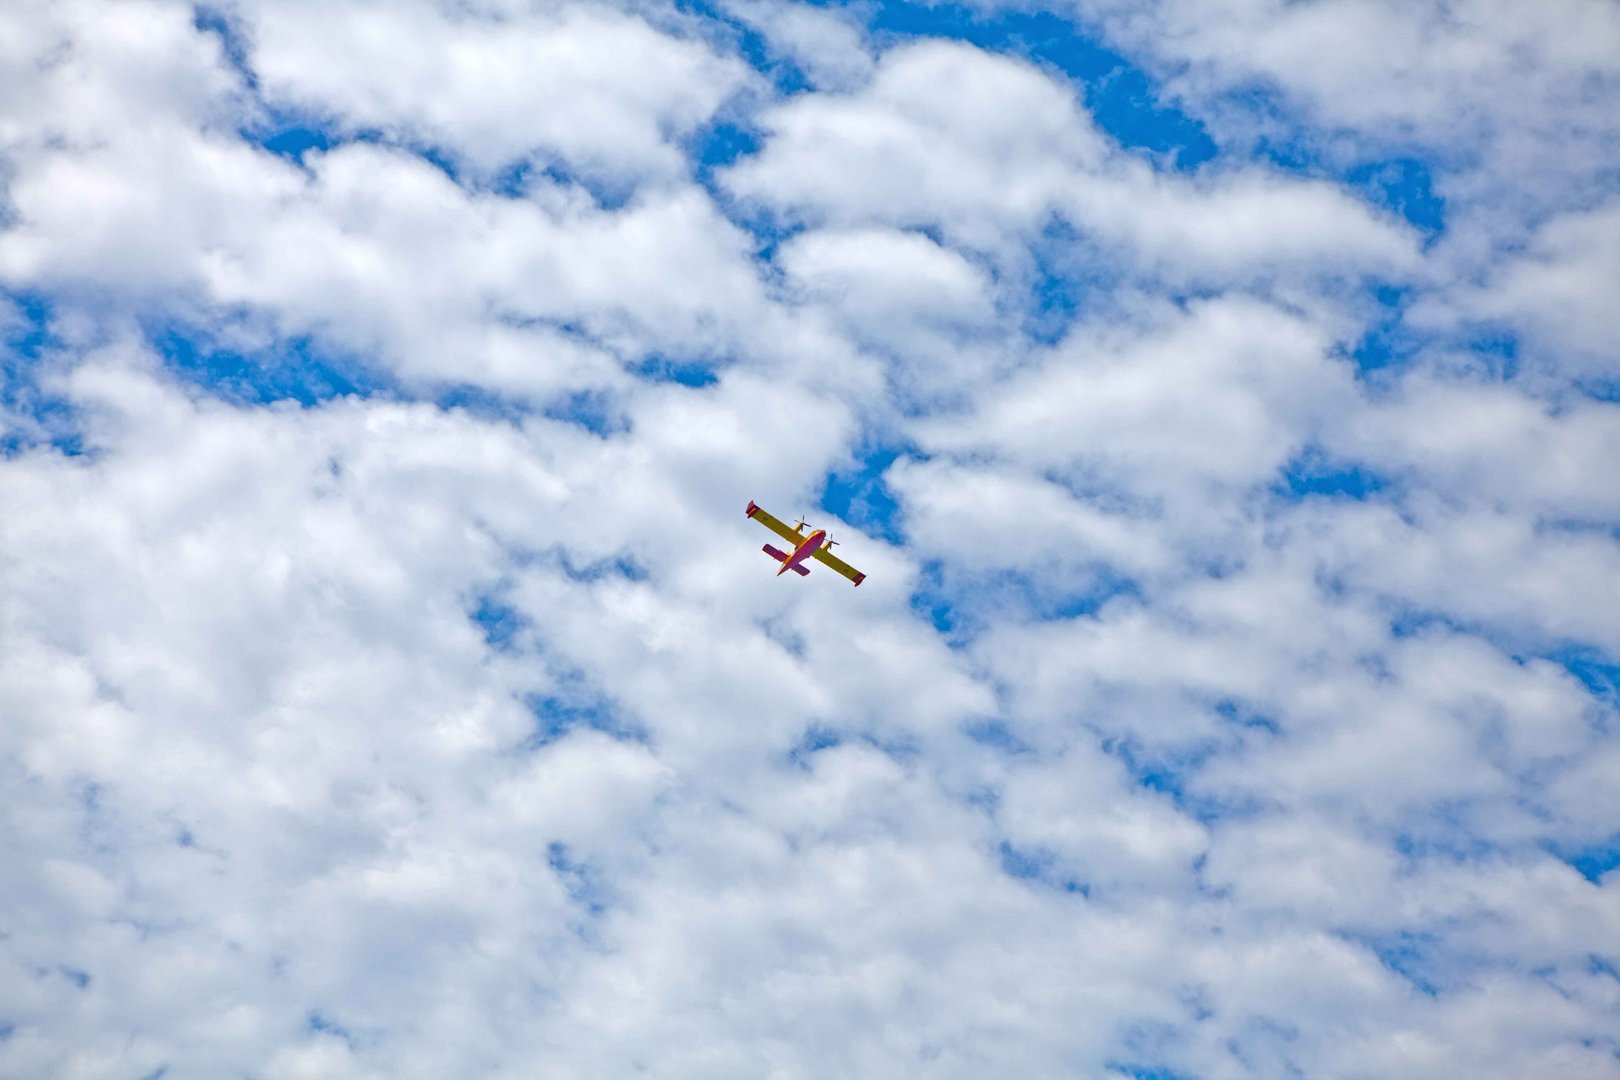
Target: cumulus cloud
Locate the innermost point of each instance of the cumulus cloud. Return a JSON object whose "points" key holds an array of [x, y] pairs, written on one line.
{"points": [[825, 42], [392, 685], [1559, 292], [1509, 120], [986, 150], [594, 88], [1460, 77]]}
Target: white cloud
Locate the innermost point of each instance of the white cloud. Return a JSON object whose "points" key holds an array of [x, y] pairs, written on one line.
{"points": [[826, 43], [371, 249], [987, 150], [600, 90], [1487, 444], [1509, 112], [1293, 793], [1561, 291], [1220, 395], [1005, 518], [928, 141], [1496, 91], [899, 294]]}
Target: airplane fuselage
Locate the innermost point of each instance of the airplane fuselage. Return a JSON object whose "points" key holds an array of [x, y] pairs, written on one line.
{"points": [[807, 547]]}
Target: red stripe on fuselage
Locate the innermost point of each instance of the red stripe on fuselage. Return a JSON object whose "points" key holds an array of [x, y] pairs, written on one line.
{"points": [[803, 551]]}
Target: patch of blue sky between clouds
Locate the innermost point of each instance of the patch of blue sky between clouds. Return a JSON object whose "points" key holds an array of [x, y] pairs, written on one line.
{"points": [[291, 138], [31, 416], [998, 735], [1170, 772], [815, 739], [723, 141], [1443, 835], [298, 369], [575, 707], [516, 180], [930, 601], [1067, 271], [1404, 185], [1145, 1072], [480, 403], [304, 370], [1388, 344], [738, 37], [1243, 716], [573, 702], [318, 1022], [685, 371], [578, 879], [1592, 861], [1599, 388], [860, 495], [499, 622], [1495, 351], [783, 633], [597, 411], [1148, 1045], [1408, 954], [962, 602], [25, 323], [1313, 474], [291, 135], [503, 625], [1401, 183], [593, 410], [286, 133], [1596, 671], [618, 567], [1038, 867], [728, 137], [232, 44]]}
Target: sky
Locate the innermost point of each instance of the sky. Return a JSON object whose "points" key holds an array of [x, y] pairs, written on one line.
{"points": [[1221, 397]]}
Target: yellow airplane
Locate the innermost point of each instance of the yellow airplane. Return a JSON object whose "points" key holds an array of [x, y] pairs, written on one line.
{"points": [[816, 546]]}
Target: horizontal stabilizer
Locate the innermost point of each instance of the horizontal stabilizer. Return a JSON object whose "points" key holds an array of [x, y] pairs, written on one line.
{"points": [[779, 556], [802, 571]]}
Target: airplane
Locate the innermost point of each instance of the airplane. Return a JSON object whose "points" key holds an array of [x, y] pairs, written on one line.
{"points": [[814, 546]]}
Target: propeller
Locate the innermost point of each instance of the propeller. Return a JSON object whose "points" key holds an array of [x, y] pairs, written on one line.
{"points": [[827, 541]]}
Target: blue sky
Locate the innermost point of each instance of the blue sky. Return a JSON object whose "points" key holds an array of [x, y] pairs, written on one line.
{"points": [[1218, 397]]}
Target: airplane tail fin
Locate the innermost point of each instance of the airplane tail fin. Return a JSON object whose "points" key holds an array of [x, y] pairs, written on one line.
{"points": [[782, 556]]}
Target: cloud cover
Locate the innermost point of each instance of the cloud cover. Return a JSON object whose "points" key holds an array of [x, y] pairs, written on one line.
{"points": [[389, 683]]}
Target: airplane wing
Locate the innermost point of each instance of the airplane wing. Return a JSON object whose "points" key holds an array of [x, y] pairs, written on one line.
{"points": [[829, 559], [774, 525]]}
